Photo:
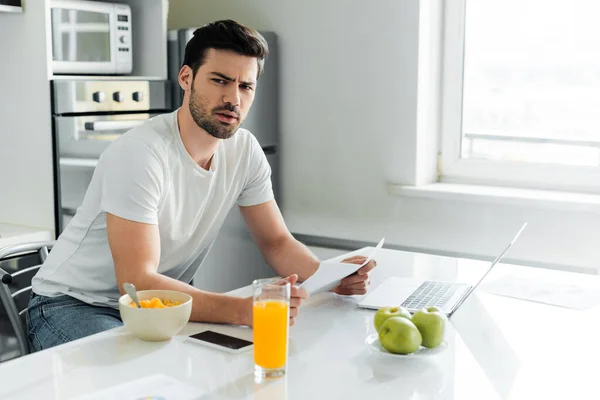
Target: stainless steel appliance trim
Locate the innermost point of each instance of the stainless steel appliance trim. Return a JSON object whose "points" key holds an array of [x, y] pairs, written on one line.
{"points": [[91, 96]]}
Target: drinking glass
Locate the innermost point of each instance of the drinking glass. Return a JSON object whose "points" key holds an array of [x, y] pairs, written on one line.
{"points": [[270, 314]]}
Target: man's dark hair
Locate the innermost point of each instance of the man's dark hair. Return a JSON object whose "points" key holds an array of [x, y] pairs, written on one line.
{"points": [[225, 35]]}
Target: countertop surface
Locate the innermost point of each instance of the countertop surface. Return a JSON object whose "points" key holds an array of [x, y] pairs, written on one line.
{"points": [[496, 348], [13, 234]]}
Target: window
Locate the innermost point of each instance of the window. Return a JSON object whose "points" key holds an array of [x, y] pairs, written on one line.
{"points": [[521, 93]]}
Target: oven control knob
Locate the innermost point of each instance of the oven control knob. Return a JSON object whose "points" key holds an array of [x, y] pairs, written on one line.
{"points": [[138, 96], [98, 97], [118, 97]]}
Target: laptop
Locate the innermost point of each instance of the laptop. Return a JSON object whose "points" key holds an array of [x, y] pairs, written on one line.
{"points": [[414, 295]]}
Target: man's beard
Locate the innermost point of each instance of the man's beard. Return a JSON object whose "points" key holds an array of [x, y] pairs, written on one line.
{"points": [[204, 119]]}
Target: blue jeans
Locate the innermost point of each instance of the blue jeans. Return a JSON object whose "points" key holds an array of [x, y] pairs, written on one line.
{"points": [[56, 320]]}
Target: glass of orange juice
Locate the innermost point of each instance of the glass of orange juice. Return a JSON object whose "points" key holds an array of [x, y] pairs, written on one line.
{"points": [[270, 315]]}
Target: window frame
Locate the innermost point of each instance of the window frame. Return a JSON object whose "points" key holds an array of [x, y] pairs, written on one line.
{"points": [[453, 168]]}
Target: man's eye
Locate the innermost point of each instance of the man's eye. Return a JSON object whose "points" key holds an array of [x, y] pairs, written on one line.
{"points": [[246, 87], [219, 81]]}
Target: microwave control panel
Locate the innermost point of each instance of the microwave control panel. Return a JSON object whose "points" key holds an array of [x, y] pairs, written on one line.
{"points": [[123, 33]]}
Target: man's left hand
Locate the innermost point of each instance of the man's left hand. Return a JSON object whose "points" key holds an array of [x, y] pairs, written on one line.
{"points": [[358, 282]]}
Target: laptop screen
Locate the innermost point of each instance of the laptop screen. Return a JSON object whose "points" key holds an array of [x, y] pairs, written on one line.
{"points": [[497, 259]]}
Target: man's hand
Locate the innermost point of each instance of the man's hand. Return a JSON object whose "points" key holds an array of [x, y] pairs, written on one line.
{"points": [[358, 282], [296, 296]]}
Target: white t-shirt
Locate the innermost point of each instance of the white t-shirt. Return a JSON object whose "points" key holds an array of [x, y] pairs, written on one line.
{"points": [[148, 176]]}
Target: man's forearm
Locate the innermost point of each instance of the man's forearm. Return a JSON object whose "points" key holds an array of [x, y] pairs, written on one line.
{"points": [[290, 256], [206, 306]]}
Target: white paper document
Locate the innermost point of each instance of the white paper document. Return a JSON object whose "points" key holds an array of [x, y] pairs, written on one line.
{"points": [[157, 386], [330, 273], [553, 293]]}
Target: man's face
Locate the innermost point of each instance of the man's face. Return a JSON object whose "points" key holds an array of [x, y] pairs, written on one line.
{"points": [[222, 92]]}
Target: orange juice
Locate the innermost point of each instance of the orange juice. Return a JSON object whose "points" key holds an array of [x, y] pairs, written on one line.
{"points": [[270, 333]]}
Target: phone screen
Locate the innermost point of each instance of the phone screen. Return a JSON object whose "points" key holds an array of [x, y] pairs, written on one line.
{"points": [[222, 340]]}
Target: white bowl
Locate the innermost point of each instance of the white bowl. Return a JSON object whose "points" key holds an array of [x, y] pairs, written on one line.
{"points": [[156, 324]]}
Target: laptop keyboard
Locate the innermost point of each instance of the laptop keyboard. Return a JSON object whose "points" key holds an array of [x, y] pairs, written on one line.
{"points": [[430, 294]]}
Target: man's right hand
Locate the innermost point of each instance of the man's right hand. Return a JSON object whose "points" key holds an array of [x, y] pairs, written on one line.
{"points": [[297, 294]]}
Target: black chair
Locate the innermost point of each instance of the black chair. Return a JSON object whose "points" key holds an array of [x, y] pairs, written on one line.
{"points": [[15, 287]]}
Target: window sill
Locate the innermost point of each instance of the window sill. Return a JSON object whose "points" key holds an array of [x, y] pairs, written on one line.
{"points": [[545, 199]]}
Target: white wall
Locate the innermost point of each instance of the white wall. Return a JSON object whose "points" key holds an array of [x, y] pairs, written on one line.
{"points": [[349, 116], [26, 177]]}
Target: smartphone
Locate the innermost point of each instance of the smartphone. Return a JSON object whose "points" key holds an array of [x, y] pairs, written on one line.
{"points": [[221, 341]]}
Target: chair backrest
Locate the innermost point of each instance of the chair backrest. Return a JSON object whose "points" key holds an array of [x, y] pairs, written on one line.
{"points": [[15, 287]]}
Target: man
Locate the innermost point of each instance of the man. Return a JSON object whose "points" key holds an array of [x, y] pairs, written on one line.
{"points": [[159, 196]]}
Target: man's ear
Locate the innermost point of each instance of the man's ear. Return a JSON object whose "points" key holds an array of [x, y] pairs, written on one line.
{"points": [[185, 77]]}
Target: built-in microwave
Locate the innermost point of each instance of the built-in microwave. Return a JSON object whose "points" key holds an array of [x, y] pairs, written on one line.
{"points": [[90, 37]]}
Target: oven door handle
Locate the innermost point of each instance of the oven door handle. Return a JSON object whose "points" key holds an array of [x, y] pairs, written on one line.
{"points": [[112, 125], [78, 162]]}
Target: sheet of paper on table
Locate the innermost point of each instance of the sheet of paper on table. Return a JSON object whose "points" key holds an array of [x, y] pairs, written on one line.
{"points": [[552, 293], [157, 386], [330, 273]]}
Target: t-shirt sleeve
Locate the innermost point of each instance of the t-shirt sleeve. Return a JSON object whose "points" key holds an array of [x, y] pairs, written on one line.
{"points": [[258, 188], [132, 181]]}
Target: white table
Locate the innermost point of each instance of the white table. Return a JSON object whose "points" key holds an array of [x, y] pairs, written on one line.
{"points": [[498, 348]]}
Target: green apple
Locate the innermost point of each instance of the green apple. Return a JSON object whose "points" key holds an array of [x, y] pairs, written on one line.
{"points": [[387, 312], [399, 335], [431, 322]]}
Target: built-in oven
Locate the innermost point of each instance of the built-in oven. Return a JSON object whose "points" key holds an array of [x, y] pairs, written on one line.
{"points": [[91, 37], [88, 115]]}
